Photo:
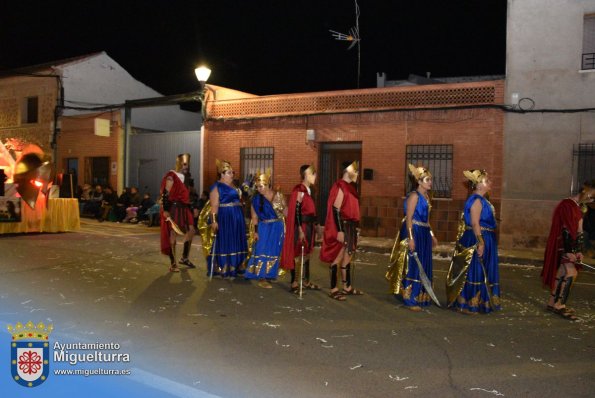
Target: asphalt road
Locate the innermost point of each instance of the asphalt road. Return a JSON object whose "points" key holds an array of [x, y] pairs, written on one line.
{"points": [[188, 337]]}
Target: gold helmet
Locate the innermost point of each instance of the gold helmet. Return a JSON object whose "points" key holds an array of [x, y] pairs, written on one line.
{"points": [[476, 176], [263, 178], [420, 172], [222, 166], [352, 170], [182, 160]]}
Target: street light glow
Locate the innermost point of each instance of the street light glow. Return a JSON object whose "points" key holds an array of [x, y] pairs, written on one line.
{"points": [[202, 73]]}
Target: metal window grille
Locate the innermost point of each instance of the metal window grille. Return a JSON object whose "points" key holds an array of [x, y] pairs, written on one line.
{"points": [[588, 61], [583, 165], [438, 159], [254, 159]]}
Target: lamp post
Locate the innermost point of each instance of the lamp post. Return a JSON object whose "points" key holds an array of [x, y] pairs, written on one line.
{"points": [[202, 75]]}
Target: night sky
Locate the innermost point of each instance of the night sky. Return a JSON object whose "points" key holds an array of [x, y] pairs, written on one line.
{"points": [[261, 46]]}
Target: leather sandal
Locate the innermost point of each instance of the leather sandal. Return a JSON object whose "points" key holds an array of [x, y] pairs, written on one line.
{"points": [[564, 313], [352, 292], [311, 286], [174, 268], [337, 295], [187, 263]]}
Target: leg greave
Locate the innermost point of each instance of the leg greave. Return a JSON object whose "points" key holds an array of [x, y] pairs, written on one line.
{"points": [[566, 291], [333, 272]]}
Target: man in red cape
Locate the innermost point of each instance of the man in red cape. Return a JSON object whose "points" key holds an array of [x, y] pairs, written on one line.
{"points": [[563, 251], [175, 212], [300, 229], [340, 231]]}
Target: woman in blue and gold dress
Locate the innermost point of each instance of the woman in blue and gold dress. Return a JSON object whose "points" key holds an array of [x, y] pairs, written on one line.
{"points": [[415, 239], [267, 211], [229, 244], [472, 283]]}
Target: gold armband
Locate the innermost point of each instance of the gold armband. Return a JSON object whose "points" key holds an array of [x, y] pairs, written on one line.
{"points": [[431, 233], [479, 240], [214, 217], [410, 233]]}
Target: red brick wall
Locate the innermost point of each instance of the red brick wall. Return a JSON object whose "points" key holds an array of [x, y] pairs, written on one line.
{"points": [[77, 140], [476, 136]]}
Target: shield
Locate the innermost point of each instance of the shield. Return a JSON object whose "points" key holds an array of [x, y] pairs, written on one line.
{"points": [[30, 362]]}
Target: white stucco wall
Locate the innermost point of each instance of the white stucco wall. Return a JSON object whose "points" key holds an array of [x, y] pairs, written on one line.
{"points": [[543, 61], [99, 80]]}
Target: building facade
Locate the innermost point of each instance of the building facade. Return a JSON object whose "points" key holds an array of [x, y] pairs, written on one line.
{"points": [[73, 110], [446, 127], [547, 155]]}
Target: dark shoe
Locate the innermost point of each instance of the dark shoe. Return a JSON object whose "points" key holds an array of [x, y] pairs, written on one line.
{"points": [[187, 263]]}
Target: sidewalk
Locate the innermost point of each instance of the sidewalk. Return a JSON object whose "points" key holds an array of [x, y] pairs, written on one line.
{"points": [[532, 257]]}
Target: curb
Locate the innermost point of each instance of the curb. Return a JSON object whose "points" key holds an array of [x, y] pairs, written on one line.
{"points": [[503, 259]]}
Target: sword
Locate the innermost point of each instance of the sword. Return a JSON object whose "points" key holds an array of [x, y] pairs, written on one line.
{"points": [[213, 258], [302, 273], [425, 281], [586, 265], [175, 227]]}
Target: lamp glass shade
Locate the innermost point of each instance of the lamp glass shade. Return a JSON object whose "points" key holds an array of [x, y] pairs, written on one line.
{"points": [[202, 73]]}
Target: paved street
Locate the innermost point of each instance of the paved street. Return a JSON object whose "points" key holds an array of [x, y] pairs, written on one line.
{"points": [[187, 336]]}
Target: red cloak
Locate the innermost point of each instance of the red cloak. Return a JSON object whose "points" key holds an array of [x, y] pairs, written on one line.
{"points": [[566, 216], [177, 193], [290, 249], [349, 212]]}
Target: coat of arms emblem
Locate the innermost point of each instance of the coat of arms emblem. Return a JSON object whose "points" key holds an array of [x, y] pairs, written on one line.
{"points": [[29, 353]]}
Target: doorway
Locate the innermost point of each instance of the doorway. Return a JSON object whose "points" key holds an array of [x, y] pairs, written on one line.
{"points": [[97, 170], [332, 156]]}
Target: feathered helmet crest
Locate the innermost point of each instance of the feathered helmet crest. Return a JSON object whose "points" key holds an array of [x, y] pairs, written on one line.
{"points": [[475, 176], [419, 172], [263, 178], [222, 166]]}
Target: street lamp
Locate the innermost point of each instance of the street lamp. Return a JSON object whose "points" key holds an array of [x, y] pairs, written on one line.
{"points": [[202, 74]]}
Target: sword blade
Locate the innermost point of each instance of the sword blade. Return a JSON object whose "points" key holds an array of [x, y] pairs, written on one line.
{"points": [[425, 281], [302, 273], [213, 258], [175, 227], [586, 265]]}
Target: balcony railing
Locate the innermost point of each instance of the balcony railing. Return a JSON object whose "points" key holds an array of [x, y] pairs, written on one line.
{"points": [[588, 61]]}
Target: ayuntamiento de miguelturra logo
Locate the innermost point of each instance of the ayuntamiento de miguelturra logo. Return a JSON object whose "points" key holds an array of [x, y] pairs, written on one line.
{"points": [[30, 353]]}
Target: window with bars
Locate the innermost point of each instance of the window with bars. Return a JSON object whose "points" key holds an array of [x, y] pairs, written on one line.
{"points": [[437, 159], [583, 165], [254, 159], [588, 61]]}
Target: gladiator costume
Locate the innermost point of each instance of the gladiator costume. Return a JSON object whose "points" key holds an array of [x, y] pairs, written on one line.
{"points": [[564, 238], [300, 213], [346, 220], [176, 201]]}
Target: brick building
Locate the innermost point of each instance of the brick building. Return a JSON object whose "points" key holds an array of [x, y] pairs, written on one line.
{"points": [[72, 109], [447, 127]]}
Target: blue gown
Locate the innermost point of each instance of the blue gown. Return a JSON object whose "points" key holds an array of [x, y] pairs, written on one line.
{"points": [[264, 262], [474, 296], [230, 247], [413, 292]]}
